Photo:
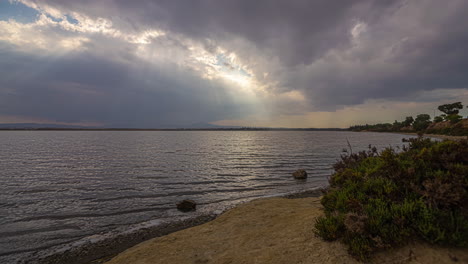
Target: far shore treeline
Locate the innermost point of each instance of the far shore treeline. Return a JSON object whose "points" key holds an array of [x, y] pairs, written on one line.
{"points": [[448, 123]]}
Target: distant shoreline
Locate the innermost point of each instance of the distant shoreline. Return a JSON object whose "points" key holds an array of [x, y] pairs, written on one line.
{"points": [[416, 134], [431, 135], [173, 129]]}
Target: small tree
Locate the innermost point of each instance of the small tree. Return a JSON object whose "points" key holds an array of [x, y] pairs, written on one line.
{"points": [[421, 122], [438, 119], [451, 109], [408, 121], [397, 126], [454, 118]]}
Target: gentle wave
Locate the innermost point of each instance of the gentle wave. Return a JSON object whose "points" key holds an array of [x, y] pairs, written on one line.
{"points": [[62, 186]]}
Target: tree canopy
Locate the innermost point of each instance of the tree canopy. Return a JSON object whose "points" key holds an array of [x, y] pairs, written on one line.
{"points": [[451, 109], [453, 123], [421, 122], [408, 121]]}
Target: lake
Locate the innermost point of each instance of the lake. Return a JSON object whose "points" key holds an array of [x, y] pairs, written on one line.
{"points": [[62, 187]]}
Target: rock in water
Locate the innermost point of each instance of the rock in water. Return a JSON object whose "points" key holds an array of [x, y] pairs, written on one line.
{"points": [[187, 205], [300, 174]]}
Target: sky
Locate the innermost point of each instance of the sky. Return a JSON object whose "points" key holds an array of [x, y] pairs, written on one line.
{"points": [[263, 63]]}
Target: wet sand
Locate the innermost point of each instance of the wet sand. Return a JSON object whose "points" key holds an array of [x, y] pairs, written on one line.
{"points": [[272, 230], [102, 251]]}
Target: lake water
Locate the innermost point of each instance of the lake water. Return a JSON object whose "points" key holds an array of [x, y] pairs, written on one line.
{"points": [[59, 187]]}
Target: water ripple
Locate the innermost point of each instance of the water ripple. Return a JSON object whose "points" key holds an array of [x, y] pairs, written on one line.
{"points": [[57, 186]]}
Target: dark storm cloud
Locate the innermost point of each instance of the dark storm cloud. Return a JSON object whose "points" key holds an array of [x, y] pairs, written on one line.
{"points": [[335, 53], [86, 87], [300, 29], [416, 48], [301, 32]]}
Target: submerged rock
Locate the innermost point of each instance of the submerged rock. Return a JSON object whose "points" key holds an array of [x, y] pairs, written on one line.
{"points": [[187, 205], [300, 174]]}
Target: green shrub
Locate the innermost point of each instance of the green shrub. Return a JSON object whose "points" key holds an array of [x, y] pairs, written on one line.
{"points": [[329, 228], [438, 119], [380, 200], [359, 246], [454, 118]]}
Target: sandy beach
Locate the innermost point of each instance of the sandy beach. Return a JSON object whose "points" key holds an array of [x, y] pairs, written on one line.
{"points": [[273, 230]]}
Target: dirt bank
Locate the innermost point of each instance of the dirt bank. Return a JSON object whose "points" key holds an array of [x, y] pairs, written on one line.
{"points": [[274, 230], [431, 135]]}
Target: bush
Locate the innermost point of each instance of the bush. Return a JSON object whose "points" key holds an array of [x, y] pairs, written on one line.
{"points": [[381, 200], [421, 122], [438, 119], [329, 228], [454, 118]]}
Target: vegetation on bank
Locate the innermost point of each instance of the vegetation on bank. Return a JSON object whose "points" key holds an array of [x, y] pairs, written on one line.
{"points": [[382, 200], [448, 123]]}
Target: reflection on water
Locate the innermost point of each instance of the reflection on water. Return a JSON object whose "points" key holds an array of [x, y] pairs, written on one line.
{"points": [[59, 186]]}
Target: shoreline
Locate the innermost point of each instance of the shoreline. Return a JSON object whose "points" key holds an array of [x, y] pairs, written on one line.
{"points": [[274, 231], [433, 135], [102, 251], [438, 136]]}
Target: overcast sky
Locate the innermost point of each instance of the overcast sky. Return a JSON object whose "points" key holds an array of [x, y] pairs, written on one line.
{"points": [[275, 63]]}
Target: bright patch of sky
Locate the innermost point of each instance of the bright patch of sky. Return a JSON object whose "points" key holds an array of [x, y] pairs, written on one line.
{"points": [[226, 65], [17, 11], [10, 9], [71, 19], [229, 69], [68, 18]]}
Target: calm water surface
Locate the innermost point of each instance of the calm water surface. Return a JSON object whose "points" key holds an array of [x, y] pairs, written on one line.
{"points": [[58, 187]]}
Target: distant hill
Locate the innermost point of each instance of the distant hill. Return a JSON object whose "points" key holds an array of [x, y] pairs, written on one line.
{"points": [[37, 126], [207, 125], [197, 126]]}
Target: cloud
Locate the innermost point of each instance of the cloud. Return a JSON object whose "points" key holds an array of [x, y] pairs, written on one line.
{"points": [[370, 112], [163, 62], [28, 37], [400, 55], [118, 91]]}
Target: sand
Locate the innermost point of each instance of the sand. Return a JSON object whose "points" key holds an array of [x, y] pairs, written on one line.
{"points": [[273, 230]]}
